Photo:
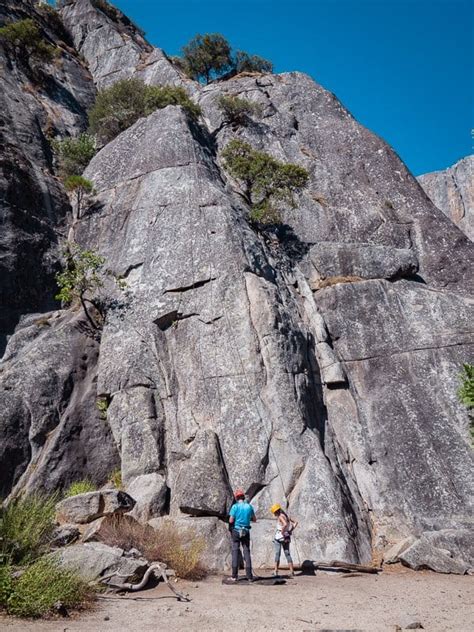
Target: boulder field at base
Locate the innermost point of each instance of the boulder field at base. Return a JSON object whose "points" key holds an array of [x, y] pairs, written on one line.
{"points": [[315, 364]]}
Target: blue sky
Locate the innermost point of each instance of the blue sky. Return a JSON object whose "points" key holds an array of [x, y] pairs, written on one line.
{"points": [[403, 68]]}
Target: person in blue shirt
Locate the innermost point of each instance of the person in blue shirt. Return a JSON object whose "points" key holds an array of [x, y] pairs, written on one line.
{"points": [[240, 516]]}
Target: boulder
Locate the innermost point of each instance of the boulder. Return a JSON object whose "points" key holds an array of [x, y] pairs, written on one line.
{"points": [[391, 555], [150, 492], [84, 508], [94, 560], [424, 555]]}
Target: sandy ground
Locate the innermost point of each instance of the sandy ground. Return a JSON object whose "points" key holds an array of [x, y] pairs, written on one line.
{"points": [[323, 602]]}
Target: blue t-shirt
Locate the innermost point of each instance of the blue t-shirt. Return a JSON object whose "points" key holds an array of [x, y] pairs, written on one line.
{"points": [[242, 512]]}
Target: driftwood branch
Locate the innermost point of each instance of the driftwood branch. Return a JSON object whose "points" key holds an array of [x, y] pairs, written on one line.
{"points": [[346, 566], [156, 569]]}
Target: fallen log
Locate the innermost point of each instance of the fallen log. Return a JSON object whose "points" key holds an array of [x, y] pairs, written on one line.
{"points": [[346, 566], [156, 569]]}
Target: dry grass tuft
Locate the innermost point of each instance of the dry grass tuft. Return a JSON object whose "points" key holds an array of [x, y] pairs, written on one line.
{"points": [[180, 548]]}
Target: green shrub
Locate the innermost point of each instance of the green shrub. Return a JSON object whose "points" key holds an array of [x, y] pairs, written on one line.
{"points": [[122, 104], [251, 63], [158, 97], [26, 525], [80, 487], [466, 393], [267, 182], [236, 110], [102, 405], [466, 390], [74, 154], [6, 584], [207, 57], [43, 585], [26, 41]]}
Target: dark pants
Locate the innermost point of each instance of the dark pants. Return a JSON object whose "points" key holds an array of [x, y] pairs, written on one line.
{"points": [[237, 542]]}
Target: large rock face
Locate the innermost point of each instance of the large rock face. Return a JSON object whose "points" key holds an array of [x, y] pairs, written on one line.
{"points": [[452, 190], [34, 105], [241, 357]]}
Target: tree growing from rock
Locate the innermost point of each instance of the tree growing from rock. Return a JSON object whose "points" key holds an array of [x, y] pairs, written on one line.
{"points": [[81, 280], [209, 57], [237, 111], [74, 154], [267, 183], [80, 187], [122, 104]]}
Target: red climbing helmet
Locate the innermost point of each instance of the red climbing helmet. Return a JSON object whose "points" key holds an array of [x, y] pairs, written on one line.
{"points": [[239, 493]]}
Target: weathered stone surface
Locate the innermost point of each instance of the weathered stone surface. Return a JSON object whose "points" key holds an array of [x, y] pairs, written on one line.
{"points": [[367, 261], [423, 554], [92, 505], [339, 403], [114, 47], [452, 190], [94, 560]]}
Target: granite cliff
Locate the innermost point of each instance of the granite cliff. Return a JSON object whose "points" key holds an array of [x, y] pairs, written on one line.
{"points": [[452, 190], [315, 363]]}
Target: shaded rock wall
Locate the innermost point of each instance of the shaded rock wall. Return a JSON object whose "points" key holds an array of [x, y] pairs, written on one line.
{"points": [[314, 364], [35, 103]]}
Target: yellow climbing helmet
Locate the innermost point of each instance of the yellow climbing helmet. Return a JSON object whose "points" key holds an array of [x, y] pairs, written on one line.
{"points": [[274, 508]]}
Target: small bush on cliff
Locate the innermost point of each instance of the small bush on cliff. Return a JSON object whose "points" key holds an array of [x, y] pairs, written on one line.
{"points": [[466, 390], [251, 63], [74, 154], [267, 182], [466, 393], [236, 110], [80, 487], [44, 585], [25, 40], [122, 104], [26, 525]]}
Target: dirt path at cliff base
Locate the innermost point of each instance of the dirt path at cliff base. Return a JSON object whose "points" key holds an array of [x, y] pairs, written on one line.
{"points": [[324, 602]]}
